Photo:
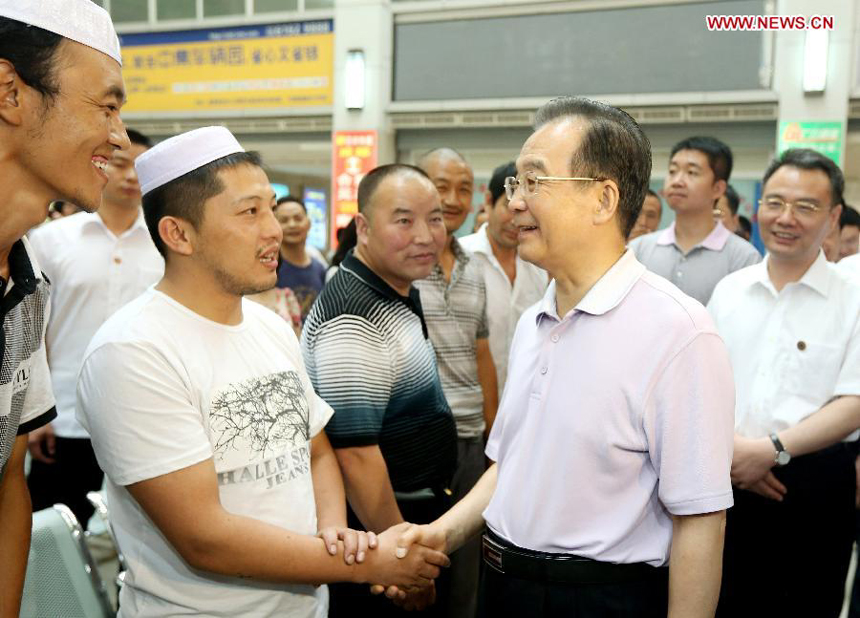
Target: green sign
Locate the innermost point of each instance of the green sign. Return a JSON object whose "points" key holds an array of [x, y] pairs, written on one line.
{"points": [[823, 136]]}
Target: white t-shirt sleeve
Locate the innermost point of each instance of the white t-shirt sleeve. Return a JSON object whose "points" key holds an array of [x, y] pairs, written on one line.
{"points": [[140, 414], [689, 424]]}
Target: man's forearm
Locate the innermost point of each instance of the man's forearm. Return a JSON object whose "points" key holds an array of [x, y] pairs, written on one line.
{"points": [[488, 381], [696, 565], [17, 518], [826, 427], [328, 484], [368, 487], [465, 519]]}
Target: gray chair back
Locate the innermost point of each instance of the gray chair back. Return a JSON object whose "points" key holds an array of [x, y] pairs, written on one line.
{"points": [[62, 579]]}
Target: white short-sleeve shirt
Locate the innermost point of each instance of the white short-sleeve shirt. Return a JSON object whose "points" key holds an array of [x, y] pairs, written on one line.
{"points": [[161, 389], [615, 417], [93, 273], [793, 350]]}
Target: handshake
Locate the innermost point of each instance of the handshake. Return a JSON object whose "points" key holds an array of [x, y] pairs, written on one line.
{"points": [[402, 562]]}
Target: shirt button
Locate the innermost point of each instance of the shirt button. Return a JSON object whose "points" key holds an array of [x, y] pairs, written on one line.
{"points": [[117, 260], [555, 338], [680, 274], [543, 371]]}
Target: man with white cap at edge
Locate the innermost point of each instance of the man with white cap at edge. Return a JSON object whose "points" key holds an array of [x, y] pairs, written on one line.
{"points": [[61, 90], [226, 497]]}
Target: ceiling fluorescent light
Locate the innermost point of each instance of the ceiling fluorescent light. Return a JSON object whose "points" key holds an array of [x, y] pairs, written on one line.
{"points": [[815, 60], [355, 79]]}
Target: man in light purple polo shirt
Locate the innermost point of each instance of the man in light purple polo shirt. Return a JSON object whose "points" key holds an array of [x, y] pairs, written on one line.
{"points": [[696, 251], [613, 441]]}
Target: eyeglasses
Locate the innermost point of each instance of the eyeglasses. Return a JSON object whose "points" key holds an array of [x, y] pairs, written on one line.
{"points": [[529, 182], [777, 205]]}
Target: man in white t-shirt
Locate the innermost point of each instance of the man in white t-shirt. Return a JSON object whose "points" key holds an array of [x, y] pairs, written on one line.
{"points": [[225, 495]]}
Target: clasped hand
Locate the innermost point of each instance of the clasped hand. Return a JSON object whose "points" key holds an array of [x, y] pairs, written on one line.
{"points": [[751, 467], [385, 559], [412, 539]]}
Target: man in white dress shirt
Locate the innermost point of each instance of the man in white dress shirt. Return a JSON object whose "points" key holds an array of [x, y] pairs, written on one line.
{"points": [[97, 262], [792, 327], [513, 285]]}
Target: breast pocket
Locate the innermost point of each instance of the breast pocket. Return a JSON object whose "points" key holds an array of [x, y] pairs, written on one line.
{"points": [[811, 369]]}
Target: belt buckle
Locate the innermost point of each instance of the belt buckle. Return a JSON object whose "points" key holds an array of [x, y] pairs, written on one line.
{"points": [[493, 554]]}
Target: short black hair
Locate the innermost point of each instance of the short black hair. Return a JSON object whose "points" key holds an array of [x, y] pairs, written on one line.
{"points": [[291, 198], [136, 137], [370, 183], [849, 217], [347, 238], [745, 223], [651, 192], [32, 51], [733, 199], [497, 180], [614, 147], [719, 155], [184, 197], [808, 159]]}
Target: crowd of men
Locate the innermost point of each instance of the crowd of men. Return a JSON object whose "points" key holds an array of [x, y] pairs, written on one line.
{"points": [[568, 412]]}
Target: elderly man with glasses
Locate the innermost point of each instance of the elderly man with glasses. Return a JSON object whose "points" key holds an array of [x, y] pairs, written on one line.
{"points": [[792, 327], [614, 435]]}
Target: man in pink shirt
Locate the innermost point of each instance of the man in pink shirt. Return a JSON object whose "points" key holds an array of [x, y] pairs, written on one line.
{"points": [[613, 440]]}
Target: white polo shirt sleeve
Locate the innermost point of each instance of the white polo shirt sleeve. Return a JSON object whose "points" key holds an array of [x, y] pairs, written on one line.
{"points": [[143, 423], [689, 425]]}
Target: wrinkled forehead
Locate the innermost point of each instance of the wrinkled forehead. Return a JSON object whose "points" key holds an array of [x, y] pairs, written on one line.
{"points": [[798, 183], [409, 191], [550, 148]]}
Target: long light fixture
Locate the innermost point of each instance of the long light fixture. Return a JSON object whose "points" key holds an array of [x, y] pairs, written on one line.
{"points": [[354, 80], [815, 51]]}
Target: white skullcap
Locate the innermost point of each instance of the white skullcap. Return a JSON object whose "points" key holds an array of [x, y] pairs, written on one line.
{"points": [[183, 153], [79, 20]]}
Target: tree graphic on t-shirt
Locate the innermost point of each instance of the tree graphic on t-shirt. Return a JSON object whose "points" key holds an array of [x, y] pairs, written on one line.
{"points": [[261, 414]]}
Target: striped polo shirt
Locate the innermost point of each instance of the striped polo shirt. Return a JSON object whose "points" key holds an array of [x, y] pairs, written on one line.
{"points": [[456, 313], [369, 357]]}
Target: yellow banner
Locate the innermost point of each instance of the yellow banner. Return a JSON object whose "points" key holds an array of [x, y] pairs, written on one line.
{"points": [[230, 69]]}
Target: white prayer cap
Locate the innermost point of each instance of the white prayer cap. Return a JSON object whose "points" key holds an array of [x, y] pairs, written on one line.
{"points": [[183, 153], [79, 20]]}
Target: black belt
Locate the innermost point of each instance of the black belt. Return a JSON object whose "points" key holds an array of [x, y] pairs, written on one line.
{"points": [[561, 568]]}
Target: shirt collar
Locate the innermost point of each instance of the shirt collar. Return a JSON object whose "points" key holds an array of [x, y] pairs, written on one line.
{"points": [[363, 273], [715, 241], [93, 220], [22, 273], [606, 294], [816, 277], [483, 241]]}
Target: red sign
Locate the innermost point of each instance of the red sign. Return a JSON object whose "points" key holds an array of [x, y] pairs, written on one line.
{"points": [[353, 155]]}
